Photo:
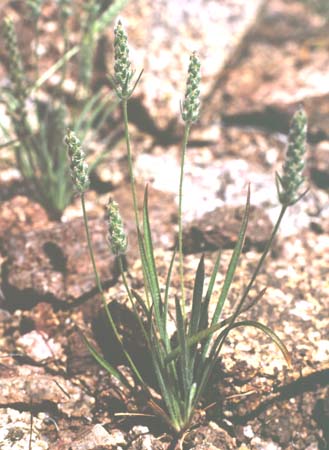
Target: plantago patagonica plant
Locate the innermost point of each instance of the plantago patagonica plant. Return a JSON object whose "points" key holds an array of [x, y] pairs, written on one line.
{"points": [[182, 366]]}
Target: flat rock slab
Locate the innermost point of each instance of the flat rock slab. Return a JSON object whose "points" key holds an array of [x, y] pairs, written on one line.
{"points": [[220, 229], [285, 62], [162, 37], [54, 264], [30, 385]]}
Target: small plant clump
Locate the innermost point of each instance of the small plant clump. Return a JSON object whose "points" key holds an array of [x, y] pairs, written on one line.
{"points": [[182, 366], [37, 127]]}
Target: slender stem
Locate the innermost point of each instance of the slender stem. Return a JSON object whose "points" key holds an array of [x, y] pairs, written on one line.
{"points": [[101, 291], [255, 274], [180, 206], [243, 298], [36, 47], [64, 32], [262, 259], [132, 180], [90, 247], [125, 282], [130, 165], [130, 296]]}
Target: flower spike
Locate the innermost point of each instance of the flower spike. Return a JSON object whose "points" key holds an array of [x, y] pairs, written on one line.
{"points": [[15, 66], [117, 236], [191, 105], [289, 183], [79, 167], [123, 72]]}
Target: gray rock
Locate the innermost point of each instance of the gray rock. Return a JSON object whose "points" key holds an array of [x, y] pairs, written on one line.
{"points": [[213, 29], [54, 264], [32, 386]]}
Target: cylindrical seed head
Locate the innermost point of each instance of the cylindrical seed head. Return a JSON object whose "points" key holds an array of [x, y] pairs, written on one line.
{"points": [[191, 104], [15, 67], [292, 177], [117, 237], [122, 67], [78, 165]]}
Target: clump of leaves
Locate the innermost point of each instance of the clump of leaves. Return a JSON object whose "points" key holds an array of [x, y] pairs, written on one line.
{"points": [[37, 128], [182, 366], [319, 6]]}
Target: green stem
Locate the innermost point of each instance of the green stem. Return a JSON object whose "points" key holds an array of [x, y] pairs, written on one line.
{"points": [[255, 274], [125, 283], [130, 296], [101, 291], [130, 165], [36, 47], [132, 179], [243, 298], [64, 32], [262, 259], [180, 205], [90, 247]]}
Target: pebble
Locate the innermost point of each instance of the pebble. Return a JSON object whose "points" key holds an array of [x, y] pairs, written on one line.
{"points": [[39, 347], [258, 444], [15, 431]]}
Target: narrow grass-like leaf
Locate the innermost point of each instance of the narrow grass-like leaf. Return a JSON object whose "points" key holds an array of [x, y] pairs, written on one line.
{"points": [[185, 353], [167, 385], [201, 354], [217, 346], [141, 303], [253, 302], [153, 276], [233, 262], [197, 298], [96, 100], [54, 68], [198, 337], [131, 295], [169, 420], [166, 300], [102, 115], [190, 400], [274, 337], [205, 304], [102, 362], [149, 244], [231, 269], [100, 106], [145, 262], [208, 332]]}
